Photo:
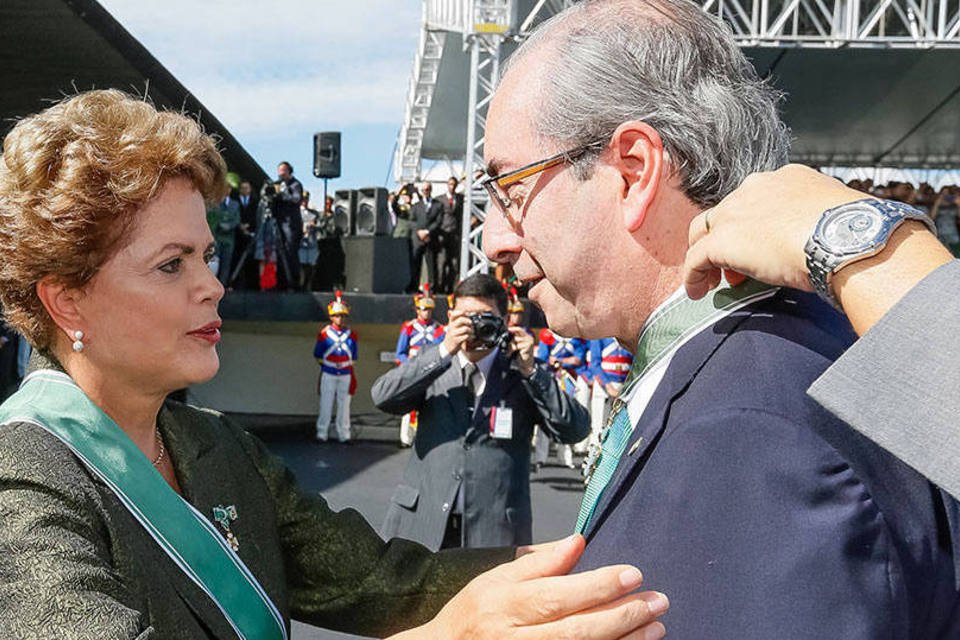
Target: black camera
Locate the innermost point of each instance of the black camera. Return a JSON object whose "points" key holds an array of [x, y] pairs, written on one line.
{"points": [[489, 330], [268, 190]]}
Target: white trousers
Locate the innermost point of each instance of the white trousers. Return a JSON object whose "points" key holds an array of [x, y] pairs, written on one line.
{"points": [[407, 431], [541, 449], [334, 388], [581, 395], [598, 411]]}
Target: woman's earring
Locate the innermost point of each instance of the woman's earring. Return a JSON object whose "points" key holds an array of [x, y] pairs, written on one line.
{"points": [[78, 342]]}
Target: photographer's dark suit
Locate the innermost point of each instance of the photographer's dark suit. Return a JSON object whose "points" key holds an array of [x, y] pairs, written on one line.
{"points": [[426, 217], [286, 211], [454, 450]]}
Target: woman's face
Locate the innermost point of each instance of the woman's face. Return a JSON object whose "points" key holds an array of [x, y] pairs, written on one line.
{"points": [[150, 314]]}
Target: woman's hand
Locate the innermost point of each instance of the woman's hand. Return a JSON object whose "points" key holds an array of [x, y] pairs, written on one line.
{"points": [[533, 597]]}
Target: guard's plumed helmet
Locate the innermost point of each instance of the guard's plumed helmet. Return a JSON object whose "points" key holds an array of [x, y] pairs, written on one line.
{"points": [[337, 306], [422, 299], [513, 299]]}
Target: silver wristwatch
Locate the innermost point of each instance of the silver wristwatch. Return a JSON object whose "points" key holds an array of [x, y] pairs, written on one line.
{"points": [[852, 232]]}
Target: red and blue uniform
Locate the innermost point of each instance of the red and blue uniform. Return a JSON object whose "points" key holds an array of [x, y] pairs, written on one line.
{"points": [[555, 345], [552, 344], [414, 336], [609, 360], [336, 349]]}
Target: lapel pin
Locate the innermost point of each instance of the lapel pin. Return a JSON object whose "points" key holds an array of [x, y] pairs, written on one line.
{"points": [[635, 446], [224, 516]]}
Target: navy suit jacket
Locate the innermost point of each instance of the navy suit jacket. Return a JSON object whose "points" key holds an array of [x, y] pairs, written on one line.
{"points": [[761, 515]]}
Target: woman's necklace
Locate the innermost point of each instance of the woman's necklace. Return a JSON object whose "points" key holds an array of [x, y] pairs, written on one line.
{"points": [[163, 449]]}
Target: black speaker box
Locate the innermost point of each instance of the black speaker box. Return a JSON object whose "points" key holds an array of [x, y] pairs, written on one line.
{"points": [[377, 264], [372, 217], [345, 210], [326, 154]]}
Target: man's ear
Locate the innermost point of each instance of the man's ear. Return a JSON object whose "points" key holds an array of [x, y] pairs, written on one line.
{"points": [[638, 155], [61, 303]]}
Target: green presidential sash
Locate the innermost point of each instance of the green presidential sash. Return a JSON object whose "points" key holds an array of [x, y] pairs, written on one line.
{"points": [[52, 401]]}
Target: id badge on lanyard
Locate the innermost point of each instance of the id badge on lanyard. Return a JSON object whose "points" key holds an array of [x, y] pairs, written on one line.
{"points": [[501, 423]]}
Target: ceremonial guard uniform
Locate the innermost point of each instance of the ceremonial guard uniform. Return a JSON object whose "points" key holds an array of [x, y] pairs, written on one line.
{"points": [[555, 346], [414, 335], [336, 351], [610, 364]]}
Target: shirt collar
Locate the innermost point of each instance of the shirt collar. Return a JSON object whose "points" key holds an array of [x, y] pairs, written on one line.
{"points": [[484, 365]]}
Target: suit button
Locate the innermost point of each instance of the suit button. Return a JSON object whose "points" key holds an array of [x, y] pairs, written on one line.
{"points": [[456, 476], [445, 507]]}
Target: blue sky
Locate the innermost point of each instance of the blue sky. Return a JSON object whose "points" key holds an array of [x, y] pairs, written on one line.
{"points": [[277, 72]]}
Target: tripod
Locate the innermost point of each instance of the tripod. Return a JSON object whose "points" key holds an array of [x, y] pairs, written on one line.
{"points": [[268, 226]]}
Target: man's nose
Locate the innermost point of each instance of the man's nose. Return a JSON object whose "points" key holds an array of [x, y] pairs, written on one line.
{"points": [[501, 242]]}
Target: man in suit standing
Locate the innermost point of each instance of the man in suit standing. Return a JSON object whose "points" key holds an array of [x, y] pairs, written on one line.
{"points": [[467, 483], [228, 219], [449, 236], [425, 225], [249, 277], [760, 514]]}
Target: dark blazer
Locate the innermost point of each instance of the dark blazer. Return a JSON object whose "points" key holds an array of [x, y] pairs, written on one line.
{"points": [[248, 214], [423, 217], [452, 218], [763, 516], [455, 451], [74, 564]]}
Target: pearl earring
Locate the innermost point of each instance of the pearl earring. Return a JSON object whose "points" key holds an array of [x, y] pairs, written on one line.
{"points": [[78, 342]]}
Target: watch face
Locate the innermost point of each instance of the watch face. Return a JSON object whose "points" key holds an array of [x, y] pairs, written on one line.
{"points": [[852, 230]]}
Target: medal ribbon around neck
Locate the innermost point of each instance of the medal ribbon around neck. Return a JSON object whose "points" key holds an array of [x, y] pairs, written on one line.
{"points": [[667, 329]]}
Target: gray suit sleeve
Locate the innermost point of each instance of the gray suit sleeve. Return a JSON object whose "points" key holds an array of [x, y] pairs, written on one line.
{"points": [[900, 383], [56, 577], [403, 389], [565, 418]]}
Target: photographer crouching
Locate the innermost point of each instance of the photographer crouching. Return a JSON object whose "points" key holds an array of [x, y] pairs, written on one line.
{"points": [[478, 395], [282, 199]]}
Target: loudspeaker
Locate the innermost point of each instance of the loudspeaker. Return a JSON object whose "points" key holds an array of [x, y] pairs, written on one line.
{"points": [[377, 264], [326, 154], [372, 217], [344, 210]]}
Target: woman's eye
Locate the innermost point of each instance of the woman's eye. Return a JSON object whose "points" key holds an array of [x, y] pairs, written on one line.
{"points": [[172, 266], [209, 256]]}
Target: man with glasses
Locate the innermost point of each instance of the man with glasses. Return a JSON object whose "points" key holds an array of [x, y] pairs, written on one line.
{"points": [[759, 513]]}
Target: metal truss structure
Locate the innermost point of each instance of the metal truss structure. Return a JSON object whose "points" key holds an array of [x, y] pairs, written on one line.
{"points": [[841, 23], [485, 25]]}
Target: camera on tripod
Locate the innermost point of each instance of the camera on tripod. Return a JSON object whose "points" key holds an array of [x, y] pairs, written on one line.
{"points": [[489, 330]]}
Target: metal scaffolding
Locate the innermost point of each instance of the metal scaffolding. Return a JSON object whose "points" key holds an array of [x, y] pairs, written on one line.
{"points": [[841, 23], [485, 25]]}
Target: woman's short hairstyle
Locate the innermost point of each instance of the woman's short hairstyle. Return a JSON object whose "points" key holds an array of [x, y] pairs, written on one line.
{"points": [[72, 179]]}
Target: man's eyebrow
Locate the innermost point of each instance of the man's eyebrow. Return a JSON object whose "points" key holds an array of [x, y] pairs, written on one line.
{"points": [[495, 167]]}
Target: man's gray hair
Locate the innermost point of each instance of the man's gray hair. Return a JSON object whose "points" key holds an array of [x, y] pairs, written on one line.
{"points": [[671, 65]]}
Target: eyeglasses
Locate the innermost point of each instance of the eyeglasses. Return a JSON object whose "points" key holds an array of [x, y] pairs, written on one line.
{"points": [[496, 186]]}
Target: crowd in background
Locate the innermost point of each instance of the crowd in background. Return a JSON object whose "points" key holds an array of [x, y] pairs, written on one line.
{"points": [[941, 206], [281, 238], [433, 226], [277, 237]]}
